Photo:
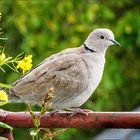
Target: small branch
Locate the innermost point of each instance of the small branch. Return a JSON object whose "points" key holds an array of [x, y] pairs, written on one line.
{"points": [[61, 120]]}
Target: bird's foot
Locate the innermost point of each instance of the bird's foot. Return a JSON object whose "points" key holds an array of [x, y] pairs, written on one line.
{"points": [[53, 112], [79, 111]]}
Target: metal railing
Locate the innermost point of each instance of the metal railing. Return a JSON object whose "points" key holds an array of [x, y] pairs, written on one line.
{"points": [[61, 120]]}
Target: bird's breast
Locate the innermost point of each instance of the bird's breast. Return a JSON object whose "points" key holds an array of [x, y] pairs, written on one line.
{"points": [[95, 67]]}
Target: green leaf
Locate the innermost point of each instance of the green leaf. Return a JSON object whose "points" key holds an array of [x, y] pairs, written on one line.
{"points": [[2, 138], [4, 125], [2, 69], [4, 85], [3, 38]]}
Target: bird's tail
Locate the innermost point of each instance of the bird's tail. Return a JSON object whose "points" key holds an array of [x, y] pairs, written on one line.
{"points": [[11, 95]]}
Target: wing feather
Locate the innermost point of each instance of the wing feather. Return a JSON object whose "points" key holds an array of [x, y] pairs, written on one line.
{"points": [[66, 73]]}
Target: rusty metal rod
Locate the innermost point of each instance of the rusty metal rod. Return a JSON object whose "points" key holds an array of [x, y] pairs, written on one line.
{"points": [[61, 120]]}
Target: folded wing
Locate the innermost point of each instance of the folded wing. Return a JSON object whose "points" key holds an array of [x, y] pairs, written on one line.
{"points": [[66, 73]]}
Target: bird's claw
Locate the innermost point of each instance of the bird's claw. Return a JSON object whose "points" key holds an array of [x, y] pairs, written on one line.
{"points": [[79, 111], [53, 112]]}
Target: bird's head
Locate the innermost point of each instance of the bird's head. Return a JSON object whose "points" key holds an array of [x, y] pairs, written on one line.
{"points": [[100, 39]]}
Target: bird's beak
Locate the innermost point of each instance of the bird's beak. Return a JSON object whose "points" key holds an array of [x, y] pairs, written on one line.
{"points": [[115, 42]]}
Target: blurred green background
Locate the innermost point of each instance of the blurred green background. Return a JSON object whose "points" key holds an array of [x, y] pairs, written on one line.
{"points": [[45, 27]]}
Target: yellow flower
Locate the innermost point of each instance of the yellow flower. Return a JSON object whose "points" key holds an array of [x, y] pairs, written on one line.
{"points": [[80, 28], [3, 97], [25, 64], [2, 58], [51, 25], [128, 29], [70, 18]]}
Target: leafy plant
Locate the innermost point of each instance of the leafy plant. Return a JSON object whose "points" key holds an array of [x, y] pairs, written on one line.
{"points": [[25, 64]]}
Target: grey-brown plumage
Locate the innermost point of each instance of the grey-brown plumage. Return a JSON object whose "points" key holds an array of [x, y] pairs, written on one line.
{"points": [[73, 73]]}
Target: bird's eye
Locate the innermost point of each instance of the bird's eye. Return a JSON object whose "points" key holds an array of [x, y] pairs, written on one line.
{"points": [[102, 37]]}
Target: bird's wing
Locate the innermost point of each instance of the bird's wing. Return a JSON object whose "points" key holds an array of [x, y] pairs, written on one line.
{"points": [[66, 73]]}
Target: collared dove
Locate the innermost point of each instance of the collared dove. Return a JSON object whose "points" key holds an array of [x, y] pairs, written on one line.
{"points": [[74, 74]]}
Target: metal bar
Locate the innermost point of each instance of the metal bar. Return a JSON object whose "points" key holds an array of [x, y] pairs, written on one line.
{"points": [[61, 120]]}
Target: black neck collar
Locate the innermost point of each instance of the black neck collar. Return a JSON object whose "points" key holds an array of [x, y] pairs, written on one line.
{"points": [[88, 49]]}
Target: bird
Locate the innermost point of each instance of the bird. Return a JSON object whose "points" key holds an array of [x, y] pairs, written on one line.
{"points": [[74, 74]]}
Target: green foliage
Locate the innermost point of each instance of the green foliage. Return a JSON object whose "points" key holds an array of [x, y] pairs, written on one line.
{"points": [[3, 125], [42, 28], [45, 106]]}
